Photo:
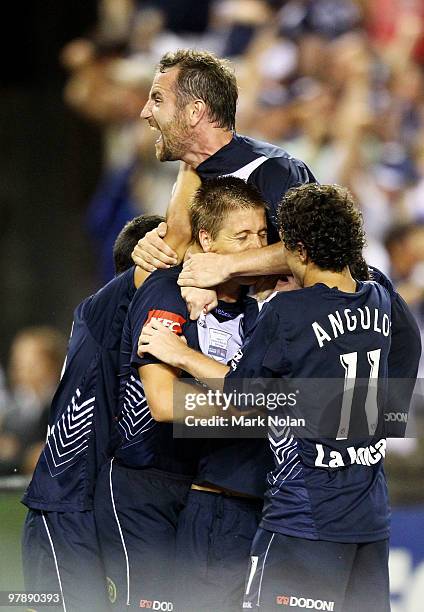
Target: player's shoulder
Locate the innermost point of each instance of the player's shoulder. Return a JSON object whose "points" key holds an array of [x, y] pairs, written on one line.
{"points": [[289, 299], [296, 304], [117, 292], [260, 147], [278, 159], [160, 285], [382, 279], [161, 278]]}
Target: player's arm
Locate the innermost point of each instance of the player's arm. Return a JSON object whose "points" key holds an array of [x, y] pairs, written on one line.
{"points": [[273, 179], [165, 346], [404, 357], [158, 383], [210, 269], [158, 300], [250, 361], [153, 251]]}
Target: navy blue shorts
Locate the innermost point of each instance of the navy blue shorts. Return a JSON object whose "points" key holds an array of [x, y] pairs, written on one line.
{"points": [[60, 554], [294, 573], [137, 512], [214, 538]]}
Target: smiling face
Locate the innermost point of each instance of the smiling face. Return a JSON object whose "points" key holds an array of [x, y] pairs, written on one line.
{"points": [[241, 230], [162, 113]]}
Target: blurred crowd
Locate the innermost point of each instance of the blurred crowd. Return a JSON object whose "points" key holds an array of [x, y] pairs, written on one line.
{"points": [[337, 83], [35, 362]]}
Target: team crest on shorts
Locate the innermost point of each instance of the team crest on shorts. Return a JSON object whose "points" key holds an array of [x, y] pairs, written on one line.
{"points": [[111, 590]]}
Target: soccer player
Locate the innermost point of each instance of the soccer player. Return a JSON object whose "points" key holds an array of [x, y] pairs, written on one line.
{"points": [[142, 492], [60, 548], [192, 105], [323, 539], [60, 551]]}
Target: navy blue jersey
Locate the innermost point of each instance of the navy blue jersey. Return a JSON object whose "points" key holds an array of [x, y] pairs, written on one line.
{"points": [[404, 359], [145, 442], [332, 487], [237, 465], [270, 169], [240, 465], [84, 404]]}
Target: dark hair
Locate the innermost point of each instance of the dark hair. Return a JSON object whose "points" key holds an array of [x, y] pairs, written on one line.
{"points": [[205, 76], [325, 220], [128, 237], [217, 197]]}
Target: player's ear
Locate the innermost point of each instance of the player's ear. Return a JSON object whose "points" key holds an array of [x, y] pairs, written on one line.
{"points": [[196, 112], [205, 240], [302, 252]]}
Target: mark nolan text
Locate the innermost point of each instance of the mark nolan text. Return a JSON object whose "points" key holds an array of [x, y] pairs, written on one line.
{"points": [[243, 421]]}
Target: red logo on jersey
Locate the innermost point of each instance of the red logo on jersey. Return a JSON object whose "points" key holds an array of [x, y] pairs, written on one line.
{"points": [[171, 320]]}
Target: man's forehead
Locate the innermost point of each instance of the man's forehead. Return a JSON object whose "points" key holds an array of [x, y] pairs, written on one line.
{"points": [[245, 220], [165, 80]]}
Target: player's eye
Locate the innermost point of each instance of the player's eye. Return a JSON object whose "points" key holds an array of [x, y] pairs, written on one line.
{"points": [[242, 238]]}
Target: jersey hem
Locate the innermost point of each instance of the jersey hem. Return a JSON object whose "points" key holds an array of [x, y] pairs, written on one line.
{"points": [[156, 472], [345, 539], [33, 504]]}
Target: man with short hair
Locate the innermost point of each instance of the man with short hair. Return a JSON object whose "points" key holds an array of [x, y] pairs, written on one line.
{"points": [[192, 105], [142, 492], [59, 547]]}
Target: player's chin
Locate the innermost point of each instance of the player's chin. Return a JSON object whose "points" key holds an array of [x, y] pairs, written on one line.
{"points": [[163, 155]]}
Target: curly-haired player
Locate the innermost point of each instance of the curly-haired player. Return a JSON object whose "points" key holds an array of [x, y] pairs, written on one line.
{"points": [[323, 539], [325, 220]]}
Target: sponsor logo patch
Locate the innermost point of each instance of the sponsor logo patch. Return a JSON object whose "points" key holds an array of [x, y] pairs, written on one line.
{"points": [[164, 606], [304, 602], [172, 321]]}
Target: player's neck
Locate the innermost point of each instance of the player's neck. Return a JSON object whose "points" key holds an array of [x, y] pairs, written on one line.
{"points": [[342, 280], [229, 291], [205, 144]]}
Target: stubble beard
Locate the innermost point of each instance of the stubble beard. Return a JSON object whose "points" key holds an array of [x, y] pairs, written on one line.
{"points": [[176, 136]]}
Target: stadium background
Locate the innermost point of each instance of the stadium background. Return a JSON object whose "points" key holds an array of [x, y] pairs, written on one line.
{"points": [[338, 83]]}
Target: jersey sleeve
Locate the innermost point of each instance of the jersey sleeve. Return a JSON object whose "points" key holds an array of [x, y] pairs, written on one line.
{"points": [[404, 358], [160, 300]]}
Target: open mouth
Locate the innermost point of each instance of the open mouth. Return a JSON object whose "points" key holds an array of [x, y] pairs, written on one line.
{"points": [[156, 129]]}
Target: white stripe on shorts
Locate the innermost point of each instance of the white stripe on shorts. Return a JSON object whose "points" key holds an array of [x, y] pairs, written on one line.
{"points": [[263, 568], [55, 559], [120, 533]]}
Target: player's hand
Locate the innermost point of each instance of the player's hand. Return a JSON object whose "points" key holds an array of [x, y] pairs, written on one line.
{"points": [[204, 270], [152, 252], [161, 342], [199, 300]]}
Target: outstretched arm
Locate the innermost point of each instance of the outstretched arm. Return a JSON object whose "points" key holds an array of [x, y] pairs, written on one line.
{"points": [[210, 269], [153, 251]]}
